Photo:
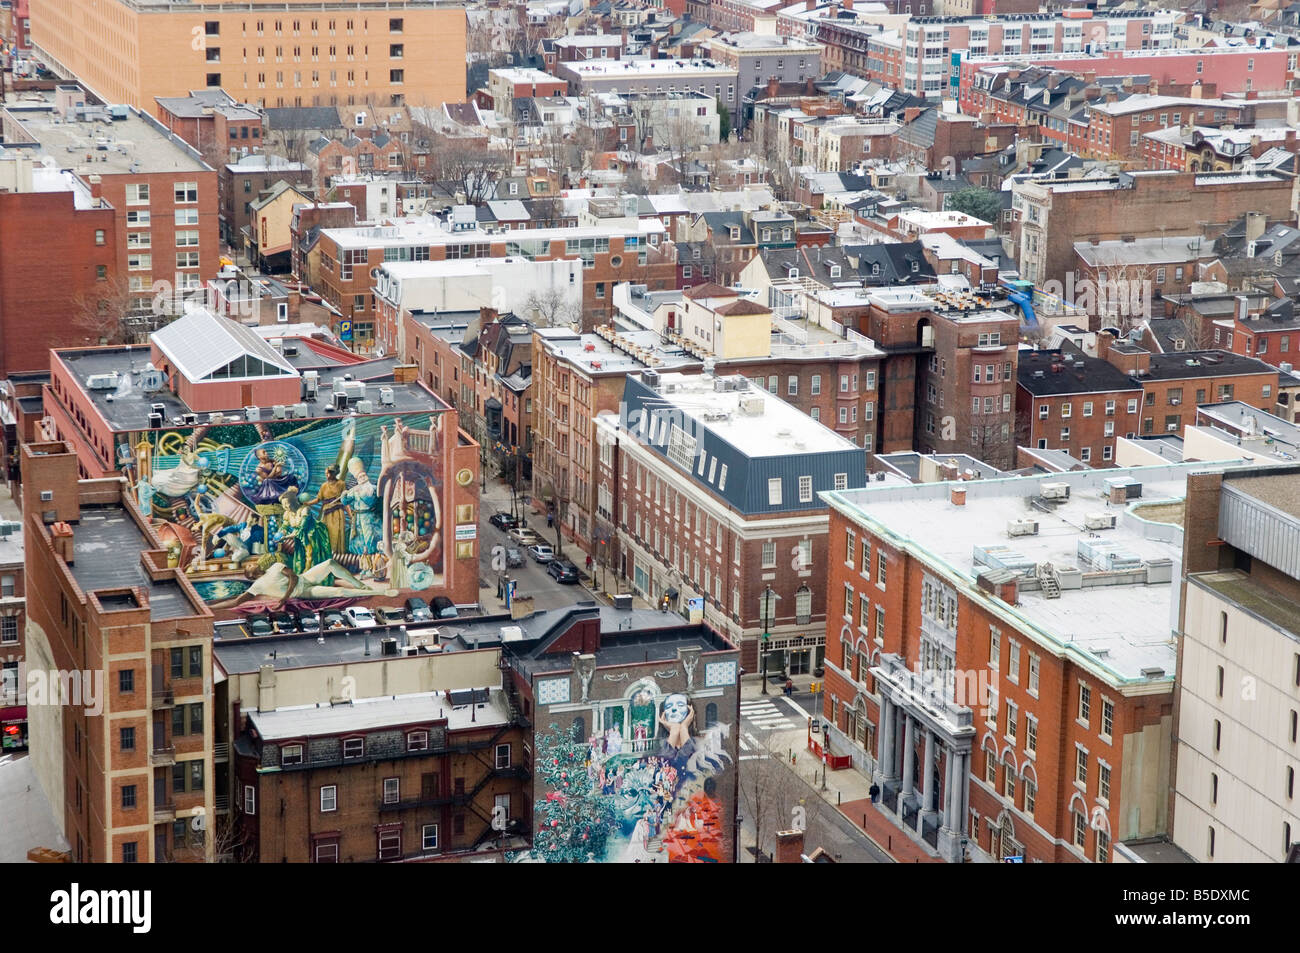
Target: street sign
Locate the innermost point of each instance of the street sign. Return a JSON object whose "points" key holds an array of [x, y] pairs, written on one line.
{"points": [[1018, 859], [345, 330]]}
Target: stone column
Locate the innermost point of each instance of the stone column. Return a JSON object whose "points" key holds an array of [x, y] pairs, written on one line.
{"points": [[927, 772], [882, 736], [909, 753], [962, 783], [949, 788]]}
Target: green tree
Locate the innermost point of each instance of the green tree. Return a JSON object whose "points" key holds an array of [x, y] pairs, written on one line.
{"points": [[724, 122], [981, 203], [574, 819]]}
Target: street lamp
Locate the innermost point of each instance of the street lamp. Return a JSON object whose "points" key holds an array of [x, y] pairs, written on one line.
{"points": [[768, 605]]}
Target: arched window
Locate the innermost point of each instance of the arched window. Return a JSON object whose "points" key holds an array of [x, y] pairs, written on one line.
{"points": [[710, 715], [803, 605], [579, 730]]}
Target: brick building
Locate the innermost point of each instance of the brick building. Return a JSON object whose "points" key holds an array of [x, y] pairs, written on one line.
{"points": [[128, 770], [1014, 698], [242, 183], [696, 500], [1068, 401], [58, 262], [220, 128], [222, 440], [13, 639]]}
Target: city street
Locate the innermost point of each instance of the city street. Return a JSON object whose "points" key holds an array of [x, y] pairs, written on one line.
{"points": [[532, 578]]}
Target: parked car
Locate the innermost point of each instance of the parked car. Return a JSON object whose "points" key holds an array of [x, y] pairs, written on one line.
{"points": [[524, 536], [444, 608], [503, 521], [308, 621], [259, 624], [360, 617], [514, 557], [386, 615], [417, 610], [284, 621], [541, 552], [563, 570], [333, 619]]}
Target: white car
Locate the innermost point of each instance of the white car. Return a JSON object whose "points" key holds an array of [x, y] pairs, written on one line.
{"points": [[360, 617], [541, 553]]}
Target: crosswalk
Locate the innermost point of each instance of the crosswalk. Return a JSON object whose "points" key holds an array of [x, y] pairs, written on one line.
{"points": [[764, 715]]}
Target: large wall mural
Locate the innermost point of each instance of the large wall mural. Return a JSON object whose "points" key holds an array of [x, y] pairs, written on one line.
{"points": [[290, 513], [649, 783]]}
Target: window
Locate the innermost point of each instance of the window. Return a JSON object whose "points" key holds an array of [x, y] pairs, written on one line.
{"points": [[1031, 792], [1031, 734], [805, 489], [327, 852], [769, 555], [392, 790], [1010, 726], [186, 216], [880, 570], [328, 798], [1081, 766], [1103, 780], [187, 259], [130, 852], [1211, 843], [774, 491], [187, 239], [126, 739], [1218, 734], [990, 767], [138, 195], [390, 844], [417, 741], [186, 192], [880, 623], [429, 837], [125, 680], [995, 646], [1085, 703], [1009, 780], [502, 757], [250, 799], [1013, 660], [815, 385], [1107, 717], [291, 754], [848, 602], [792, 386], [840, 481], [353, 748], [1103, 848]]}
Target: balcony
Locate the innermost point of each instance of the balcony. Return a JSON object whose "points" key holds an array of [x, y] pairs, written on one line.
{"points": [[221, 804], [164, 809], [164, 699], [220, 752], [162, 755]]}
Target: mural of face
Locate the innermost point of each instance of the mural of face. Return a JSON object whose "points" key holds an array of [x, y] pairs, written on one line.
{"points": [[676, 708]]}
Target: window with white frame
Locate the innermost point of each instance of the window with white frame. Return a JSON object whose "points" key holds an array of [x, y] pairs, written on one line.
{"points": [[805, 489], [429, 837], [329, 798], [1031, 734], [995, 646], [880, 569], [250, 799], [417, 741], [392, 790], [1080, 765], [353, 748], [1033, 674], [502, 757], [291, 754], [1085, 703], [769, 555]]}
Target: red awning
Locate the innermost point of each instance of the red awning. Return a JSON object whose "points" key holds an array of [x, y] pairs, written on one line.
{"points": [[17, 713]]}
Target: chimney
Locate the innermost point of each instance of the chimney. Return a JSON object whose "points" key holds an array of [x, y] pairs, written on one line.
{"points": [[771, 87], [958, 495], [61, 534], [406, 373], [1009, 591], [910, 114], [789, 847], [1104, 340], [1256, 223], [809, 89], [846, 4], [810, 4]]}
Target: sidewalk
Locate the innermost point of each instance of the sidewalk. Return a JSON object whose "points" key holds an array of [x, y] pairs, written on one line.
{"points": [[848, 789]]}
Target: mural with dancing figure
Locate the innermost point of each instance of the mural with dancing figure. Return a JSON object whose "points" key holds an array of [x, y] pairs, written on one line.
{"points": [[647, 784], [282, 513]]}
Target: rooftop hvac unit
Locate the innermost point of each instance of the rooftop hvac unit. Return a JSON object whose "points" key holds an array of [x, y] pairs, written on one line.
{"points": [[279, 412], [311, 382], [9, 527], [158, 408], [751, 406], [290, 350], [1099, 521], [365, 406], [252, 414], [386, 398], [721, 385], [1055, 491], [189, 419], [1022, 528], [102, 381], [151, 379], [155, 421], [388, 646], [216, 417], [301, 410], [340, 401], [650, 379]]}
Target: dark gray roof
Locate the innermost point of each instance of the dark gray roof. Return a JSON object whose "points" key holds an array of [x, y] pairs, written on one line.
{"points": [[303, 118], [106, 547], [1095, 376], [1193, 364]]}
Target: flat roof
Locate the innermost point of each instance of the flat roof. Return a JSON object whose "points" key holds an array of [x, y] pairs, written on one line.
{"points": [[106, 547], [1193, 364], [641, 69], [137, 144], [1269, 604], [1118, 630], [430, 232], [1280, 491], [127, 406], [390, 711]]}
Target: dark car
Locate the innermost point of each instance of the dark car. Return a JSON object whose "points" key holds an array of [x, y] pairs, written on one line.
{"points": [[514, 557], [563, 570], [284, 621], [259, 624], [308, 621], [417, 610], [334, 620], [503, 521], [444, 608]]}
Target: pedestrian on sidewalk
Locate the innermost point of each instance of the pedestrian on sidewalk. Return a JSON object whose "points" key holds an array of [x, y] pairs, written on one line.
{"points": [[874, 791]]}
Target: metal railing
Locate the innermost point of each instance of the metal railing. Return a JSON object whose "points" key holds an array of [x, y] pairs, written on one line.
{"points": [[163, 754]]}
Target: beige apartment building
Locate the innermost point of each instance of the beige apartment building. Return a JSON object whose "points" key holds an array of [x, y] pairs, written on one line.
{"points": [[277, 54]]}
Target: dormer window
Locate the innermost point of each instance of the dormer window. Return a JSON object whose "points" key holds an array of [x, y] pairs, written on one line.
{"points": [[695, 253], [735, 233], [767, 234], [835, 271], [785, 234], [514, 188], [875, 267], [794, 272], [916, 266]]}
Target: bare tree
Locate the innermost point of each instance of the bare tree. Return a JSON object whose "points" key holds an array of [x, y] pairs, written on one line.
{"points": [[104, 316], [682, 138], [770, 793], [551, 308], [466, 166]]}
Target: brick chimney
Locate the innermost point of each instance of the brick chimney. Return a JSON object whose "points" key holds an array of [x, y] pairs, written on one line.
{"points": [[61, 534], [789, 847], [846, 4], [771, 87], [406, 373], [910, 113], [1129, 361], [958, 495]]}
